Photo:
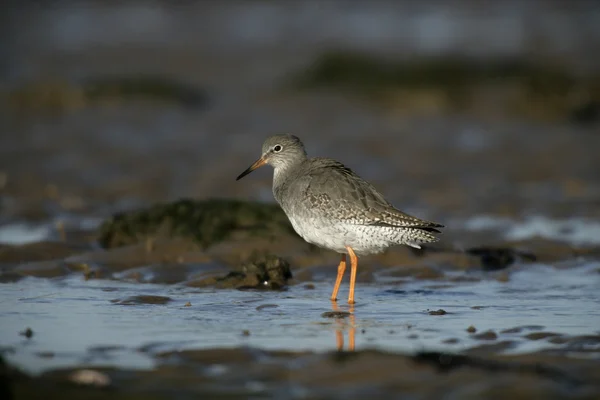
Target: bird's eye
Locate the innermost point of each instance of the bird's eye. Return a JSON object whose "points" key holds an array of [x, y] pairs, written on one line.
{"points": [[277, 148]]}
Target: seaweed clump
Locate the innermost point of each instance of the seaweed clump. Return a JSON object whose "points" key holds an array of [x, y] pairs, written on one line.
{"points": [[204, 221]]}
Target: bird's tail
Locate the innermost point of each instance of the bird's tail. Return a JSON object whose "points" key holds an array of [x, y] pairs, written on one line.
{"points": [[415, 237]]}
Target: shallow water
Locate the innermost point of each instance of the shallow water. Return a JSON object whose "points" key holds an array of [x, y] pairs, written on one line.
{"points": [[74, 321]]}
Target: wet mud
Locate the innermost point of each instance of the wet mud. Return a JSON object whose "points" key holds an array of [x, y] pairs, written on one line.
{"points": [[244, 373]]}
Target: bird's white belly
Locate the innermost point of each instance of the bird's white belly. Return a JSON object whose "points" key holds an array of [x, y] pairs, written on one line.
{"points": [[337, 236]]}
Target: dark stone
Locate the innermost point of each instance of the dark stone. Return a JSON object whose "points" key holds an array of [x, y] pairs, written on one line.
{"points": [[263, 306], [142, 299], [496, 258], [438, 312], [264, 272], [336, 314], [28, 333]]}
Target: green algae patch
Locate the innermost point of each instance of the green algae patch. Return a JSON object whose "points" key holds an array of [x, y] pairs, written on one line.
{"points": [[204, 221], [458, 83]]}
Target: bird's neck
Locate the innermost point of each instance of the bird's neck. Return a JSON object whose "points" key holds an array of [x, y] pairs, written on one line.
{"points": [[283, 171]]}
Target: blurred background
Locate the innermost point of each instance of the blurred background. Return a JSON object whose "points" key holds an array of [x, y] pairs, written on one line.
{"points": [[451, 108]]}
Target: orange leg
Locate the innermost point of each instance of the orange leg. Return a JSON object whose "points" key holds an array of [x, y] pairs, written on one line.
{"points": [[354, 266], [340, 275]]}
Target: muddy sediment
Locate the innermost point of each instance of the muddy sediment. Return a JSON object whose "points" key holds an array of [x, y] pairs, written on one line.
{"points": [[243, 373]]}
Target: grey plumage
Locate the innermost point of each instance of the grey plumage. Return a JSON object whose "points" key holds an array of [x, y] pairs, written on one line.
{"points": [[332, 207]]}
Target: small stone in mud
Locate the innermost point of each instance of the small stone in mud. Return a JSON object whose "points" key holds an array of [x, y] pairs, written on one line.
{"points": [[451, 341], [477, 308], [487, 335], [188, 304], [28, 333], [471, 329], [141, 299], [272, 270], [45, 354], [540, 335], [263, 306], [309, 286], [412, 336], [245, 332], [438, 312], [335, 314]]}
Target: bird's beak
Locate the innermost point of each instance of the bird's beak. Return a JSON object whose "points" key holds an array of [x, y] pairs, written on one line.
{"points": [[257, 164]]}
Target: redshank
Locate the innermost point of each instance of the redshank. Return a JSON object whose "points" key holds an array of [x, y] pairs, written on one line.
{"points": [[332, 207]]}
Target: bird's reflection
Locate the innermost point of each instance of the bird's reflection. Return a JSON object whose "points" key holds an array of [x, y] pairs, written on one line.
{"points": [[342, 325]]}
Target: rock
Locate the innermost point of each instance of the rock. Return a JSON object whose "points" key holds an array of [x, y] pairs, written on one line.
{"points": [[264, 272], [205, 221], [336, 314], [438, 312], [28, 333], [142, 299], [451, 341], [263, 306]]}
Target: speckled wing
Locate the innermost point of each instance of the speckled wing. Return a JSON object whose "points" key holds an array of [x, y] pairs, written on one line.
{"points": [[336, 191]]}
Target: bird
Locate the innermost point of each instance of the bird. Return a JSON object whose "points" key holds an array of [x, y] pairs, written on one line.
{"points": [[332, 207]]}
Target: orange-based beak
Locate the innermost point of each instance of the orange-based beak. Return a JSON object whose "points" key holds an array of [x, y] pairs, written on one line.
{"points": [[257, 164]]}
